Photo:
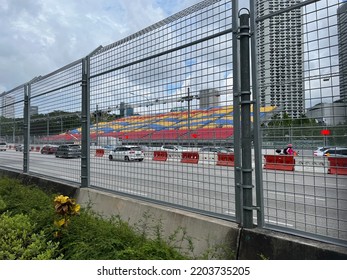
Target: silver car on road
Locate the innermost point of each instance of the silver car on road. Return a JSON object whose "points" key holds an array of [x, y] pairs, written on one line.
{"points": [[127, 153]]}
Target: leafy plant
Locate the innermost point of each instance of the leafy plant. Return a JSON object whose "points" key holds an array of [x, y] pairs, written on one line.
{"points": [[28, 200], [19, 241], [65, 207]]}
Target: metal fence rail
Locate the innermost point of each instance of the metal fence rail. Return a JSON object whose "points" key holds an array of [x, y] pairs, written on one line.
{"points": [[172, 90]]}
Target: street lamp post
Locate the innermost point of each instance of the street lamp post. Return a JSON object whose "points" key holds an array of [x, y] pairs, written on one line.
{"points": [[97, 124], [61, 124], [142, 96], [14, 130], [188, 98], [47, 124]]}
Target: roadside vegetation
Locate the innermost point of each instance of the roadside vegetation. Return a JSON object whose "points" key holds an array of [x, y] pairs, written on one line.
{"points": [[35, 225]]}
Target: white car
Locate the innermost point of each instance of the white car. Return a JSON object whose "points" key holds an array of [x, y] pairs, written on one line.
{"points": [[320, 151], [216, 150], [3, 146], [336, 152], [126, 153], [172, 148]]}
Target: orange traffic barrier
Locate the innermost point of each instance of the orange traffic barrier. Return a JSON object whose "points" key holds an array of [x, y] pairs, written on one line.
{"points": [[99, 152], [225, 159], [160, 155], [337, 165], [279, 162], [190, 157]]}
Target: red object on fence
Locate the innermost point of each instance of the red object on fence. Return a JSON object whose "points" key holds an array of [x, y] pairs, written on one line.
{"points": [[337, 165], [325, 132], [225, 159], [160, 155], [190, 157], [99, 152], [279, 162], [38, 149]]}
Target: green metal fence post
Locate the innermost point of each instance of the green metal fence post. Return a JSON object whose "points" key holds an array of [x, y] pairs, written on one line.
{"points": [[246, 135], [26, 127], [85, 119]]}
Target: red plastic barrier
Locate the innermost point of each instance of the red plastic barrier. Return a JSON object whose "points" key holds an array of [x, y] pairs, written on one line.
{"points": [[337, 165], [225, 159], [99, 152], [160, 155], [190, 157], [279, 162]]}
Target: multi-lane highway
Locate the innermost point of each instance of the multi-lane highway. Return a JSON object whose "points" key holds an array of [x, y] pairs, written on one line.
{"points": [[306, 201]]}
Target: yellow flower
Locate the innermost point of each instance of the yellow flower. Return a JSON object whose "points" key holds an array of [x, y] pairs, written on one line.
{"points": [[61, 199], [76, 208], [60, 223]]}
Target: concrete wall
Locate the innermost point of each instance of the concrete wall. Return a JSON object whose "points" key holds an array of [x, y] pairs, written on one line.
{"points": [[205, 233]]}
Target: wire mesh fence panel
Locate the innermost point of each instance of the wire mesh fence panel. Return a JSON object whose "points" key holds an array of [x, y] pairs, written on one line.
{"points": [[301, 72], [55, 121], [11, 128], [163, 94]]}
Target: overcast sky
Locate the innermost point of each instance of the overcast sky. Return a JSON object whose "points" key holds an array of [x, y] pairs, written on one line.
{"points": [[40, 36]]}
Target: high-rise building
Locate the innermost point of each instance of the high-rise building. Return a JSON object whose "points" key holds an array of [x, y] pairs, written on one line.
{"points": [[280, 57], [342, 43], [33, 110], [7, 103], [209, 98], [126, 110]]}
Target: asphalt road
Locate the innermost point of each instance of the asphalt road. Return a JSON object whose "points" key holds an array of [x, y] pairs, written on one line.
{"points": [[309, 202]]}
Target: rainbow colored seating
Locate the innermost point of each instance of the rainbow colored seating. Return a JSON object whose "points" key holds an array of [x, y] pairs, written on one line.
{"points": [[210, 123]]}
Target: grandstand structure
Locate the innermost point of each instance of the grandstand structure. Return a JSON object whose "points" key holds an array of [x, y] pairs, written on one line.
{"points": [[200, 126]]}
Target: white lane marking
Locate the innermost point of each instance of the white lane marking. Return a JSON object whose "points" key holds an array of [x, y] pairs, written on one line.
{"points": [[266, 220], [132, 192], [278, 223], [298, 195]]}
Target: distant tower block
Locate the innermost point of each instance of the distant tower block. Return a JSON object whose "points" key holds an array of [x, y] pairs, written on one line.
{"points": [[209, 98]]}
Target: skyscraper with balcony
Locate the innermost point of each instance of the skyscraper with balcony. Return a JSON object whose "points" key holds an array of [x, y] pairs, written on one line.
{"points": [[342, 40], [209, 98], [7, 103], [280, 54]]}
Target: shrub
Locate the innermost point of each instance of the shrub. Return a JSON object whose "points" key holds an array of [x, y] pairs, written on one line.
{"points": [[28, 200], [18, 242], [91, 237]]}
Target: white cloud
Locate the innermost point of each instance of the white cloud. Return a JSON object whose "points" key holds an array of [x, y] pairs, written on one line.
{"points": [[40, 36]]}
